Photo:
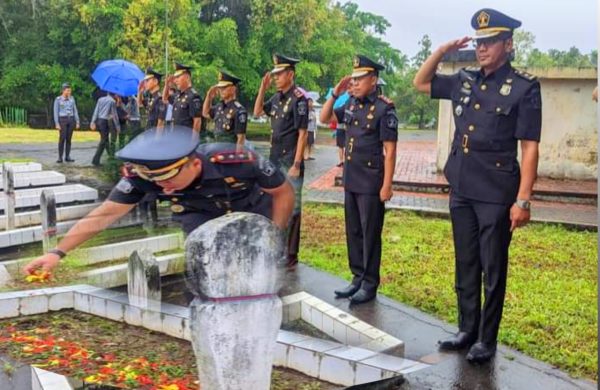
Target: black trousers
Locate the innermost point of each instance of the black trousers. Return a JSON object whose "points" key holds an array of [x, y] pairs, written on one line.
{"points": [[481, 239], [364, 222], [108, 136], [67, 125]]}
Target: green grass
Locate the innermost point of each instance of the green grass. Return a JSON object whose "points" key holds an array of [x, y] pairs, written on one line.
{"points": [[550, 311], [258, 131], [15, 160], [20, 135]]}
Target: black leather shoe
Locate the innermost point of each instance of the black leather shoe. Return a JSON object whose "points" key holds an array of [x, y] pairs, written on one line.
{"points": [[481, 352], [347, 291], [362, 296], [59, 161], [69, 159], [459, 341]]}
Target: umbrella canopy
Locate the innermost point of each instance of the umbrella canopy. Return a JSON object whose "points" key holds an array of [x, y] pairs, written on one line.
{"points": [[341, 100], [118, 76]]}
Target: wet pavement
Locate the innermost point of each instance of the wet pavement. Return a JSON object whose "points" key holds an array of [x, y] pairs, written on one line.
{"points": [[420, 332]]}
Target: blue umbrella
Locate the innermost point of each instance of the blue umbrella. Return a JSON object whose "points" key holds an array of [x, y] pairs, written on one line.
{"points": [[118, 76], [341, 100]]}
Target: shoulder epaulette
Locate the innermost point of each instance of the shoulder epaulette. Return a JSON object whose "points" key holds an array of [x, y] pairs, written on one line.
{"points": [[525, 75], [232, 157], [238, 104], [386, 100]]}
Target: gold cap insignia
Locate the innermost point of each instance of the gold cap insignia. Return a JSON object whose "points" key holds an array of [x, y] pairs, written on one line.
{"points": [[220, 76], [356, 62], [275, 60], [483, 19]]}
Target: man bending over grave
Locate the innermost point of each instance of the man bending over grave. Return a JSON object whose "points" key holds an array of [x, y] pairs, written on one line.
{"points": [[202, 182]]}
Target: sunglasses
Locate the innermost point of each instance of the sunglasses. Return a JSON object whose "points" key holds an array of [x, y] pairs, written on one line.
{"points": [[487, 42], [161, 174]]}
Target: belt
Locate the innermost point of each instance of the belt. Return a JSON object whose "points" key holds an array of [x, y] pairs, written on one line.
{"points": [[484, 146]]}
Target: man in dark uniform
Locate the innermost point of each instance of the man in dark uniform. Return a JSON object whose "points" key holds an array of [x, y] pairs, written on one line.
{"points": [[187, 103], [201, 181], [371, 136], [495, 106], [288, 110], [150, 98], [230, 116]]}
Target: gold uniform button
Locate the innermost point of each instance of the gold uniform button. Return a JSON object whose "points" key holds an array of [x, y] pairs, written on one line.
{"points": [[498, 109], [355, 123], [349, 158], [483, 87], [369, 163], [174, 199], [466, 150], [351, 139], [498, 164], [471, 127], [477, 106]]}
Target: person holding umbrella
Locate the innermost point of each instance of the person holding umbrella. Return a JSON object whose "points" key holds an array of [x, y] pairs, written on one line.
{"points": [[187, 103], [105, 111]]}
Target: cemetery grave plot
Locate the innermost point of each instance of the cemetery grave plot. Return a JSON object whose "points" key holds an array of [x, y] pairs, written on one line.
{"points": [[104, 352]]}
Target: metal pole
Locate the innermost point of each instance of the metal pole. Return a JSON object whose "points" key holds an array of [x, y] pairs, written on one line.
{"points": [[166, 37]]}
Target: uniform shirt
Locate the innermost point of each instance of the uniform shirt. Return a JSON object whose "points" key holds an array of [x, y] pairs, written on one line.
{"points": [[187, 105], [369, 123], [133, 110], [106, 108], [156, 109], [228, 182], [65, 107], [230, 119], [289, 113], [491, 113]]}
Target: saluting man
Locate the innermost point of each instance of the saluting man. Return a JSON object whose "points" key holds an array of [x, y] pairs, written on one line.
{"points": [[288, 110], [371, 136], [230, 116], [187, 103], [156, 109], [496, 108]]}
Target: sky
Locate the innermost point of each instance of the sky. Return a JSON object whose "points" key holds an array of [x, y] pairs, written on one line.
{"points": [[556, 24]]}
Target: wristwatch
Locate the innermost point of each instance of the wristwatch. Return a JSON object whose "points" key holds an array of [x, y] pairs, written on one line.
{"points": [[523, 203], [57, 252]]}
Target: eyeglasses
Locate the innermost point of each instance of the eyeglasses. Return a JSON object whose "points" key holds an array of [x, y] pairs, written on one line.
{"points": [[161, 174]]}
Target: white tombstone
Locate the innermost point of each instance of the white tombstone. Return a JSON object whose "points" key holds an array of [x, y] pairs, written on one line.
{"points": [[231, 265], [143, 280]]}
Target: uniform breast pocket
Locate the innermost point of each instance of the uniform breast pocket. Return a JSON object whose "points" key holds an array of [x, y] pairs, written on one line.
{"points": [[348, 117], [375, 162], [500, 162], [503, 116]]}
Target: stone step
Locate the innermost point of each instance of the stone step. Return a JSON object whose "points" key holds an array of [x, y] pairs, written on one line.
{"points": [[66, 213], [24, 167], [36, 179], [64, 194]]}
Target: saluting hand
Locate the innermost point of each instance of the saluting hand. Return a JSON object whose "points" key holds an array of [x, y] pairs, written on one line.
{"points": [[518, 217], [342, 86], [266, 81], [141, 86], [456, 44], [212, 91]]}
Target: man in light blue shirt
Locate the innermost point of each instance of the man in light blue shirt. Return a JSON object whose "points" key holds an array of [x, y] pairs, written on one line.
{"points": [[66, 118], [105, 111]]}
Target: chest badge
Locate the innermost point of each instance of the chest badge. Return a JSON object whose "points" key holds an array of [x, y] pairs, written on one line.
{"points": [[505, 89], [177, 208], [458, 110], [370, 116]]}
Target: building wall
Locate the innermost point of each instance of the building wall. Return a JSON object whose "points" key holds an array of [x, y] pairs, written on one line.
{"points": [[568, 149]]}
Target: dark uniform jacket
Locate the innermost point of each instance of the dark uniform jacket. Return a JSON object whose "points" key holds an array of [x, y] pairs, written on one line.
{"points": [[289, 113], [369, 122], [187, 105], [155, 108], [229, 182], [230, 120], [491, 114]]}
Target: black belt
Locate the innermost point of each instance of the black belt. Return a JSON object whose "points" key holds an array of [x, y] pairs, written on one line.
{"points": [[465, 142]]}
